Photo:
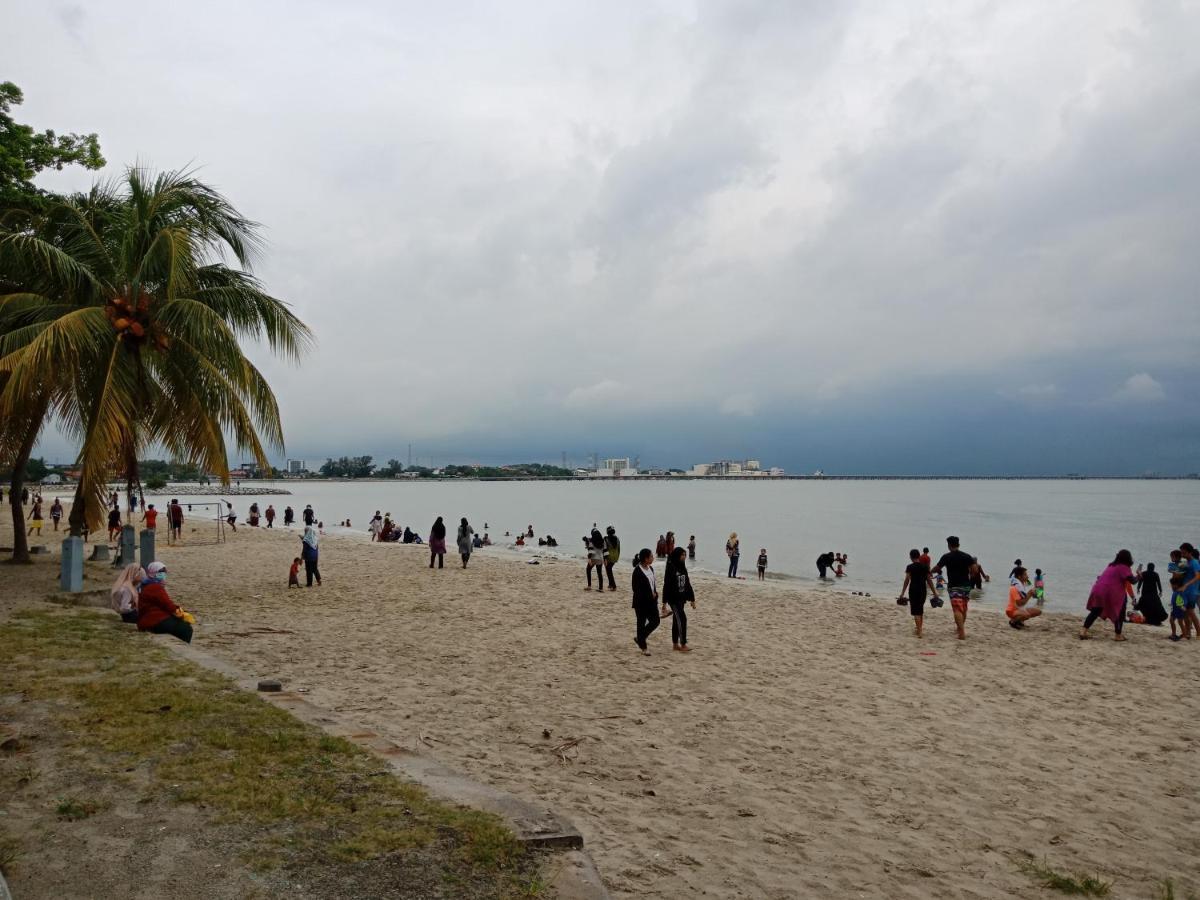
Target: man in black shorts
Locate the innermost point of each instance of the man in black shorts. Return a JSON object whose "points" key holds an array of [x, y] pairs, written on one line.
{"points": [[960, 569], [916, 580]]}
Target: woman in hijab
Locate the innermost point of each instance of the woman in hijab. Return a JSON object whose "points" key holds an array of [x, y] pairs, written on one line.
{"points": [[677, 591], [1150, 597], [734, 551], [1109, 595], [645, 598], [437, 542], [125, 592], [157, 612], [310, 554], [465, 533]]}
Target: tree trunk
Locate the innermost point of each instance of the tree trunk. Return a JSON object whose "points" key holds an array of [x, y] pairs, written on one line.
{"points": [[78, 518], [20, 539]]}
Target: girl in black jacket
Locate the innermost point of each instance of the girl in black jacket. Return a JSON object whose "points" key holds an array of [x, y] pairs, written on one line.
{"points": [[677, 590], [645, 598]]}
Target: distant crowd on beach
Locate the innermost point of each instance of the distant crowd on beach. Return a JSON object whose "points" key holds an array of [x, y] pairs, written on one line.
{"points": [[1121, 593]]}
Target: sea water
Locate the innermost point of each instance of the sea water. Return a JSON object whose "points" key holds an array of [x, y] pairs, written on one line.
{"points": [[1069, 529]]}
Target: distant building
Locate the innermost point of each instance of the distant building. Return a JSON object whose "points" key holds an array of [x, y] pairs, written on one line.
{"points": [[750, 468], [52, 479], [618, 467], [296, 467]]}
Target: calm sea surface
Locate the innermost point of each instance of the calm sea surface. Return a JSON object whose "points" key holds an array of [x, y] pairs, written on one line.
{"points": [[1070, 529]]}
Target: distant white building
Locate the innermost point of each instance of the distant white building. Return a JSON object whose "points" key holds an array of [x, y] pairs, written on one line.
{"points": [[618, 467], [749, 468], [296, 467]]}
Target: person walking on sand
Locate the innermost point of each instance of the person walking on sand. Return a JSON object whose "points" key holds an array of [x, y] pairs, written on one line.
{"points": [[465, 533], [114, 523], [437, 543], [1020, 592], [375, 526], [56, 512], [1109, 595], [733, 550], [612, 553], [150, 518], [175, 519], [595, 560], [35, 517], [960, 568], [917, 580], [230, 516], [310, 553], [645, 598], [677, 591]]}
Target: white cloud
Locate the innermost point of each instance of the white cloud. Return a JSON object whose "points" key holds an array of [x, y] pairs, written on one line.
{"points": [[1139, 388], [603, 395]]}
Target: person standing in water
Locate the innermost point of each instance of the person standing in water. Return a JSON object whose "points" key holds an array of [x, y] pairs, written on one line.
{"points": [[289, 516], [437, 542], [270, 515], [677, 591], [960, 570], [913, 592], [645, 598], [692, 547], [465, 533], [734, 551]]}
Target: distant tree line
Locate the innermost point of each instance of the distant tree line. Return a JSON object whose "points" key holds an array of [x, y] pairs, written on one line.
{"points": [[364, 467]]}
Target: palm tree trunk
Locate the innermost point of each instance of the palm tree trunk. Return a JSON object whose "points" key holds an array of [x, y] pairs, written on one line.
{"points": [[78, 518], [20, 539]]}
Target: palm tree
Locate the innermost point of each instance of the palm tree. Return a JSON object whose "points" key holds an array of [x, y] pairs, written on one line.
{"points": [[134, 317]]}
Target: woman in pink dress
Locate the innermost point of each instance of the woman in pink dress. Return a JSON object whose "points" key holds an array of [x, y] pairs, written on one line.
{"points": [[1109, 595]]}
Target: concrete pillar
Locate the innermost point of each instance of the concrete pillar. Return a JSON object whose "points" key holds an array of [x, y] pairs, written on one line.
{"points": [[146, 547], [100, 553], [71, 578], [125, 555]]}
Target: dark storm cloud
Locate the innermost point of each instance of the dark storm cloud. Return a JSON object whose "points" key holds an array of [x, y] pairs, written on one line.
{"points": [[825, 234]]}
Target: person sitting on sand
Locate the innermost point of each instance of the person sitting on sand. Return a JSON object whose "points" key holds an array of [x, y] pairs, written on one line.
{"points": [[677, 591], [157, 612], [645, 598], [1020, 592], [913, 590], [125, 592], [294, 573], [252, 516], [1109, 595]]}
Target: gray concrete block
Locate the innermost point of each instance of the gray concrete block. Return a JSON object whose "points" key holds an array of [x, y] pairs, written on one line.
{"points": [[71, 575]]}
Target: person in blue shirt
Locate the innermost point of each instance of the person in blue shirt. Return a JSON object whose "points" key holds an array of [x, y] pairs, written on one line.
{"points": [[1189, 564]]}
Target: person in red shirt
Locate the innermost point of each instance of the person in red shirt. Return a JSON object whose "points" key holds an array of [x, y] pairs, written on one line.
{"points": [[150, 517], [157, 612]]}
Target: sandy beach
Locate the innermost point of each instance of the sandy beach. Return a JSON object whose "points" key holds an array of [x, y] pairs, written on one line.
{"points": [[809, 746]]}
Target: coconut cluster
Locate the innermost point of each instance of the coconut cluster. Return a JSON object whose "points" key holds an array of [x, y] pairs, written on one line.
{"points": [[131, 320]]}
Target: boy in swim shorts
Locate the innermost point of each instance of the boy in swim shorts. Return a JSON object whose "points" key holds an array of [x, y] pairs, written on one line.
{"points": [[960, 569]]}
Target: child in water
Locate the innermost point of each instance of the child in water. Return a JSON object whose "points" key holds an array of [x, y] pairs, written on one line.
{"points": [[762, 564], [294, 573], [1039, 587]]}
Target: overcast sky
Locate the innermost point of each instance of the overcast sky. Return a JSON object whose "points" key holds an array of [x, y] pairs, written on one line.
{"points": [[885, 237]]}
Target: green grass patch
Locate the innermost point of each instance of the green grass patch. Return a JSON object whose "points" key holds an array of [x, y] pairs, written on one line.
{"points": [[319, 800], [1065, 883]]}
